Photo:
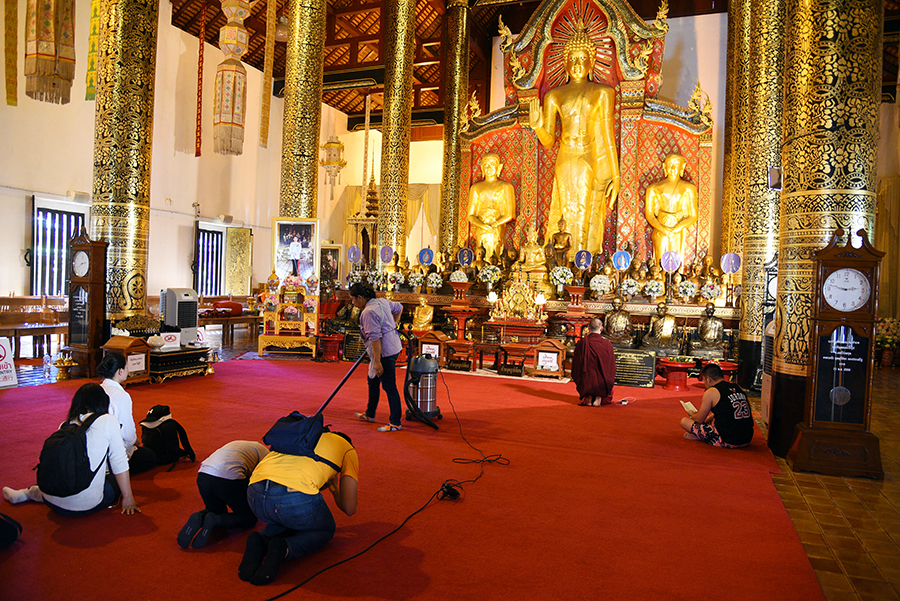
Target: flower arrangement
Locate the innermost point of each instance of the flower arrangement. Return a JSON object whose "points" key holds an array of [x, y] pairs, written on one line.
{"points": [[434, 280], [687, 289], [396, 278], [458, 276], [489, 274], [271, 302], [416, 279], [629, 287], [654, 288], [356, 277], [292, 282], [710, 291], [309, 304], [290, 311], [561, 275], [377, 278], [887, 332], [600, 283]]}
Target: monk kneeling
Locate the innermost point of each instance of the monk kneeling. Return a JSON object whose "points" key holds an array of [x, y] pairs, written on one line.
{"points": [[594, 367]]}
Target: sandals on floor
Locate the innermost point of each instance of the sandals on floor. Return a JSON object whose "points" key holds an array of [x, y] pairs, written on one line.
{"points": [[389, 428], [364, 418]]}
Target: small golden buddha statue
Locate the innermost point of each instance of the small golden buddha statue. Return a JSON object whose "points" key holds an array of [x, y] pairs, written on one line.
{"points": [[710, 331], [671, 208], [492, 203], [561, 244], [617, 326], [709, 273], [656, 272], [479, 261], [663, 334], [423, 314], [509, 258], [394, 265], [531, 255]]}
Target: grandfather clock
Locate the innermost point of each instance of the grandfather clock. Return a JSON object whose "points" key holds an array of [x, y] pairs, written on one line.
{"points": [[834, 436], [87, 303]]}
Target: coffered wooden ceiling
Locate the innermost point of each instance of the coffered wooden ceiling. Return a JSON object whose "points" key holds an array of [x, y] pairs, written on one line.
{"points": [[354, 49]]}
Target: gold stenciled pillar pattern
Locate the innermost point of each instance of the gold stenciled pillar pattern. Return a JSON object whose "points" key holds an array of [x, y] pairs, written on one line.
{"points": [[761, 210], [456, 87], [302, 109], [832, 91], [399, 42], [734, 189], [123, 131]]}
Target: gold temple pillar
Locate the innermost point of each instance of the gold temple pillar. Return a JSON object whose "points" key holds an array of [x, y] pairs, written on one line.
{"points": [[761, 210], [734, 188], [832, 92], [400, 45], [302, 110], [123, 134], [456, 90]]}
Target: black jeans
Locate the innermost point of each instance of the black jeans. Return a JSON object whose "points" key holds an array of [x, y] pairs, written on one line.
{"points": [[219, 494], [387, 381]]}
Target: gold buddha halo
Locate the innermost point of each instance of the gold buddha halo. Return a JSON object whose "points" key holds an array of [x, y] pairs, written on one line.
{"points": [[830, 177], [399, 43], [456, 86], [760, 236], [123, 131], [302, 110]]}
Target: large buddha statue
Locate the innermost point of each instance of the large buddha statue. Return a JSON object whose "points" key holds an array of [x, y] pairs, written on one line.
{"points": [[663, 334], [710, 332], [586, 178], [671, 208], [617, 325], [492, 203], [422, 317]]}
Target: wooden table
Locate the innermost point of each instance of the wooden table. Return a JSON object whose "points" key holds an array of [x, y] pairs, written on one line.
{"points": [[39, 332], [229, 322]]}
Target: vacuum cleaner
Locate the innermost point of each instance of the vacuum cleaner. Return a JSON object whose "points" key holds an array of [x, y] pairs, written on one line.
{"points": [[420, 388]]}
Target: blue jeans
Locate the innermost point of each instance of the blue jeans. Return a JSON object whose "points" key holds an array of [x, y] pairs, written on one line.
{"points": [[110, 495], [303, 520], [387, 381]]}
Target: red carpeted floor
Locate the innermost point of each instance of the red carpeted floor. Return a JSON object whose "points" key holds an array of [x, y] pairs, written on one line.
{"points": [[596, 503]]}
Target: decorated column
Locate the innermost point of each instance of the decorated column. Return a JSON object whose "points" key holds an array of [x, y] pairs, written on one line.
{"points": [[456, 89], [832, 92], [761, 210], [123, 131], [399, 41], [302, 109]]}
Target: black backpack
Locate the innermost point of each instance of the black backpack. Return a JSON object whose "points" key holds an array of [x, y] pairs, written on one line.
{"points": [[298, 434], [65, 468], [165, 436]]}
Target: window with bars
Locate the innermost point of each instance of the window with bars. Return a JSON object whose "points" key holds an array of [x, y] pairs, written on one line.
{"points": [[52, 231], [210, 250]]}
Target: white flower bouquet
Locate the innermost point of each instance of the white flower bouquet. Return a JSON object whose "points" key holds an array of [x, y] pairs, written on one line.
{"points": [[654, 288], [600, 284], [710, 291], [687, 289], [561, 275], [489, 274], [416, 279], [396, 278], [629, 287], [377, 278], [355, 277], [434, 280], [459, 276]]}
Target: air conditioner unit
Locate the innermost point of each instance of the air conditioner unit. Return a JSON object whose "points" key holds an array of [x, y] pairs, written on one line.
{"points": [[768, 352], [179, 307]]}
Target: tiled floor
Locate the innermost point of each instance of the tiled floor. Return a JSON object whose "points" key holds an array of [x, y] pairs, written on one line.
{"points": [[850, 527]]}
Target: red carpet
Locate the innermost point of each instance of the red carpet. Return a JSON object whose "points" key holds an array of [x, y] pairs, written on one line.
{"points": [[597, 503]]}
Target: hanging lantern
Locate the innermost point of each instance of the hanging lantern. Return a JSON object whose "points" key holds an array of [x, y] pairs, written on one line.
{"points": [[231, 80], [333, 161]]}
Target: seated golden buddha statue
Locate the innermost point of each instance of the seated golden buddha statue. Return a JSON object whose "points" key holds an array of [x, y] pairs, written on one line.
{"points": [[531, 255], [560, 244], [617, 325], [634, 270], [663, 334], [492, 203], [394, 265], [710, 331], [509, 258], [709, 274], [656, 272], [480, 256], [423, 314], [671, 208]]}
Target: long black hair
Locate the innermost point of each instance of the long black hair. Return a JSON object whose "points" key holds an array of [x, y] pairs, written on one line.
{"points": [[360, 289], [90, 398], [112, 362]]}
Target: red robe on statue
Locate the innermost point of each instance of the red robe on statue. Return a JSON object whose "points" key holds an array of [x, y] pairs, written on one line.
{"points": [[594, 368]]}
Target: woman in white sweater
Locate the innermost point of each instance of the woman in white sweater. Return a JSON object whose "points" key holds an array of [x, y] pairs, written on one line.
{"points": [[114, 373], [104, 441]]}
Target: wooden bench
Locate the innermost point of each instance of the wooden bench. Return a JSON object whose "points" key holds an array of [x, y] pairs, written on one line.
{"points": [[37, 316]]}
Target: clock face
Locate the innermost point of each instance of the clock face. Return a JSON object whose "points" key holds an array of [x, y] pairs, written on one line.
{"points": [[847, 289], [80, 263], [773, 288]]}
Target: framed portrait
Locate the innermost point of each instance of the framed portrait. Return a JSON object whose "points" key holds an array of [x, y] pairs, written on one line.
{"points": [[332, 262], [295, 247]]}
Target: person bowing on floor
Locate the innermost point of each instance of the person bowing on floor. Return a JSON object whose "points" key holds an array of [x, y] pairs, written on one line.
{"points": [[594, 367]]}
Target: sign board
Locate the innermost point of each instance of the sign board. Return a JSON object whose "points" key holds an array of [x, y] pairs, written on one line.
{"points": [[460, 364], [354, 347], [172, 340], [547, 361], [511, 369], [201, 335], [431, 349], [7, 367], [136, 363], [635, 368]]}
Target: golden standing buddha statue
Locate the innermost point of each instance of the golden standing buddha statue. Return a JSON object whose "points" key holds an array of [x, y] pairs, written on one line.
{"points": [[492, 203], [671, 208], [586, 179]]}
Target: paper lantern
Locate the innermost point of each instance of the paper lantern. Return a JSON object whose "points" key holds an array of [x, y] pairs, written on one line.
{"points": [[231, 81]]}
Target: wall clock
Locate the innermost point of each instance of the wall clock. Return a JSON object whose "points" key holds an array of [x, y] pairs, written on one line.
{"points": [[847, 289]]}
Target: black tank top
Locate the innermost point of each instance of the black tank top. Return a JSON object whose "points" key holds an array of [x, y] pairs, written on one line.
{"points": [[734, 421]]}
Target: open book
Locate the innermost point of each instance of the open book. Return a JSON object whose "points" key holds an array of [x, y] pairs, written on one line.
{"points": [[689, 407]]}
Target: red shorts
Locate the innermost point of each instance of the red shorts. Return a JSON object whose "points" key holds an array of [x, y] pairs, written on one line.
{"points": [[708, 434]]}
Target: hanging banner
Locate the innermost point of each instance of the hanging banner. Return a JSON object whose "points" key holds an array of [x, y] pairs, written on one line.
{"points": [[271, 19], [90, 79], [199, 132], [10, 44]]}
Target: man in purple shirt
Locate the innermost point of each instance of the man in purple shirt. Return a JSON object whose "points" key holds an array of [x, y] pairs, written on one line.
{"points": [[378, 328]]}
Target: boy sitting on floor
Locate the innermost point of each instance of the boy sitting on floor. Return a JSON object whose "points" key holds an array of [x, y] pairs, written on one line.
{"points": [[727, 403]]}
